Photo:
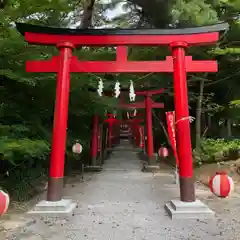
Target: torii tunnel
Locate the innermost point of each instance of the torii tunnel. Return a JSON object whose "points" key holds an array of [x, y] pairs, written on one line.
{"points": [[148, 104], [179, 64]]}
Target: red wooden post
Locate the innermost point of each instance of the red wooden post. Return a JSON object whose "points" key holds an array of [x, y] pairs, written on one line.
{"points": [[110, 120], [100, 143], [184, 148], [136, 125], [94, 140], [150, 148], [137, 134], [142, 143], [56, 174], [110, 129]]}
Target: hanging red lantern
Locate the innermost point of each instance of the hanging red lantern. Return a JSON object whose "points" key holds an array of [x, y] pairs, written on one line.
{"points": [[221, 184], [163, 152], [77, 148], [4, 202]]}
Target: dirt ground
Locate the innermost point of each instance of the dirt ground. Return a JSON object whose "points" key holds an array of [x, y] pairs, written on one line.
{"points": [[122, 202], [204, 173]]}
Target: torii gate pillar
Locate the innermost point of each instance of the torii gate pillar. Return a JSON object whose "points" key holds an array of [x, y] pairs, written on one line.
{"points": [[184, 147], [56, 173], [150, 147], [94, 139]]}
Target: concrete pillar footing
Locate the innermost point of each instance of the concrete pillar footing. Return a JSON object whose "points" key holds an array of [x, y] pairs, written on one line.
{"points": [[177, 209], [64, 206]]}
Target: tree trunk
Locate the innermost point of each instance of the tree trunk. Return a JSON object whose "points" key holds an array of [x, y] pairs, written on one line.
{"points": [[209, 121], [198, 117], [229, 128], [87, 14]]}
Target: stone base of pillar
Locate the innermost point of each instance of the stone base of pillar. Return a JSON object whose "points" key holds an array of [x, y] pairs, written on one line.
{"points": [[92, 168], [64, 206], [151, 161], [94, 161], [188, 210]]}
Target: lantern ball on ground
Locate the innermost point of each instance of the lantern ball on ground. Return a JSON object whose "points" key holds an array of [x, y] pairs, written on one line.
{"points": [[221, 184], [4, 202]]}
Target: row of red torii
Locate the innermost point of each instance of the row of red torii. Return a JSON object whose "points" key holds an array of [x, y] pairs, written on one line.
{"points": [[65, 63], [134, 123]]}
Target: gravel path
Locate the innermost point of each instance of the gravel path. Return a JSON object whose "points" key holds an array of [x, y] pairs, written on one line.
{"points": [[123, 203]]}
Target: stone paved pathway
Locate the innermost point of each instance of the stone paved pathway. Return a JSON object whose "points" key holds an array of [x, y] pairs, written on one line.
{"points": [[123, 203]]}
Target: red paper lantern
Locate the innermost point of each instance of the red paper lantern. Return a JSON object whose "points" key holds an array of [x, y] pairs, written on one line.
{"points": [[4, 202], [163, 152], [77, 148], [221, 184]]}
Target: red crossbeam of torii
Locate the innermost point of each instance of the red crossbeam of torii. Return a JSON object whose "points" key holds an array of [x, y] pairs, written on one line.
{"points": [[120, 41]]}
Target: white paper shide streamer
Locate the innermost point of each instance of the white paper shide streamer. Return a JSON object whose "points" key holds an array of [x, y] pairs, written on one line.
{"points": [[100, 87], [132, 94], [117, 89]]}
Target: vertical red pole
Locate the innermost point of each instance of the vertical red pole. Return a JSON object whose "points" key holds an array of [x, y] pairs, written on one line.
{"points": [[137, 134], [184, 148], [94, 140], [110, 135], [100, 143], [141, 131], [56, 173], [150, 150]]}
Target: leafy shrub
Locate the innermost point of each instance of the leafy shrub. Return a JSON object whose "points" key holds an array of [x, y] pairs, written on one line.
{"points": [[22, 166], [215, 150], [18, 150]]}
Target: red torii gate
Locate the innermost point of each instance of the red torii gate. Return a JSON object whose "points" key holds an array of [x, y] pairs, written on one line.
{"points": [[64, 64], [140, 137], [136, 129], [148, 104], [111, 120]]}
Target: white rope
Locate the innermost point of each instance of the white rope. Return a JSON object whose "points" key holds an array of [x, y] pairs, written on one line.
{"points": [[190, 118]]}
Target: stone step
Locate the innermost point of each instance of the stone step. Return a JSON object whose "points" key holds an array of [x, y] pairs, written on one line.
{"points": [[126, 148]]}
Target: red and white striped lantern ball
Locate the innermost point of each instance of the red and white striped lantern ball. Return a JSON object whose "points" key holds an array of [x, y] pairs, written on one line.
{"points": [[221, 184], [4, 202], [77, 148], [163, 152]]}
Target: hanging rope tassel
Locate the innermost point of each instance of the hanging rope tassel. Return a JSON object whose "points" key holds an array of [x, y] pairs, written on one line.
{"points": [[132, 94], [100, 87], [117, 89]]}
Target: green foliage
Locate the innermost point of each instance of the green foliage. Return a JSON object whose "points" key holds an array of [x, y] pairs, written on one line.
{"points": [[194, 13], [236, 103], [24, 182], [215, 150], [18, 150]]}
